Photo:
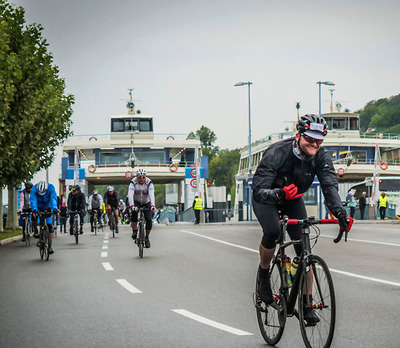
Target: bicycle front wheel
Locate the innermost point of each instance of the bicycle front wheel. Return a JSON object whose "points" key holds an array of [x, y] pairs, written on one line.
{"points": [[76, 230], [95, 224], [317, 313], [46, 243], [141, 239], [272, 318]]}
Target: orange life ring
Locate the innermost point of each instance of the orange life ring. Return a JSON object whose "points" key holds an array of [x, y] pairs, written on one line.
{"points": [[173, 167], [384, 165], [92, 168], [376, 136]]}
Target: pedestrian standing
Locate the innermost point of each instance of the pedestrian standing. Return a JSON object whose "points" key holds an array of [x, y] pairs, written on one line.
{"points": [[382, 204], [362, 202], [197, 207], [352, 203], [63, 217]]}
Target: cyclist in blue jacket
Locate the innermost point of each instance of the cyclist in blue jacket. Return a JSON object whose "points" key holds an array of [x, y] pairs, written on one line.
{"points": [[44, 198]]}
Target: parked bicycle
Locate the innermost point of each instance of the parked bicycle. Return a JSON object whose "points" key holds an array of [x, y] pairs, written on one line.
{"points": [[311, 286], [27, 232], [44, 241]]}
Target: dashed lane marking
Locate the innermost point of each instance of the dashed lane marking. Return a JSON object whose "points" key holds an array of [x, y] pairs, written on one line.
{"points": [[128, 286], [104, 254], [107, 266], [212, 323]]}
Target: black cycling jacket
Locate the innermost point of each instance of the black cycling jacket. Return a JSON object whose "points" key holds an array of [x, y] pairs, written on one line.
{"points": [[280, 167]]}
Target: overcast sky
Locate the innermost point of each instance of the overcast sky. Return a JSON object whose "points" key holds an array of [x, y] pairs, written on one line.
{"points": [[184, 57]]}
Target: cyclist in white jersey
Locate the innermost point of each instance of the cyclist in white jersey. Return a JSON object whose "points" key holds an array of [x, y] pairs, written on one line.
{"points": [[141, 194]]}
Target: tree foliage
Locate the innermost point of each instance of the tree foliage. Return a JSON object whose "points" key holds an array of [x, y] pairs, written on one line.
{"points": [[207, 138], [34, 111], [383, 115]]}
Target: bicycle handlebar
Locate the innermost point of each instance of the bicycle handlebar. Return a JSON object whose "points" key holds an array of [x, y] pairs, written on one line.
{"points": [[312, 221]]}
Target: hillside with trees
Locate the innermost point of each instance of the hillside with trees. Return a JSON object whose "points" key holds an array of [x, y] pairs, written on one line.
{"points": [[381, 116]]}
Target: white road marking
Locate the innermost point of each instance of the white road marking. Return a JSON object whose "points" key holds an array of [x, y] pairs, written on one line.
{"points": [[221, 241], [364, 241], [211, 323], [105, 241], [107, 266], [364, 277], [105, 247], [331, 269], [106, 237], [128, 286], [104, 254]]}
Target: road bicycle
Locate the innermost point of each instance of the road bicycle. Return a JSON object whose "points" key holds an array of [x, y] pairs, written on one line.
{"points": [[75, 225], [97, 225], [44, 239], [141, 235], [311, 287], [112, 223], [27, 227]]}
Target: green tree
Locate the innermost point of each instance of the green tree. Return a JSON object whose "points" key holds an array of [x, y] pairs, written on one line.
{"points": [[34, 111], [207, 138]]}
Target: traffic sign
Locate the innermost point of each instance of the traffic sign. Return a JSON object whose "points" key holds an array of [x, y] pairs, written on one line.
{"points": [[193, 183], [128, 174], [193, 172]]}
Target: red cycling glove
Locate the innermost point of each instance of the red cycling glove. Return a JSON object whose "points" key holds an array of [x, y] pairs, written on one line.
{"points": [[291, 192]]}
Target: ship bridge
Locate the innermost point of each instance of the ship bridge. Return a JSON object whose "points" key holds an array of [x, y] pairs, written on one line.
{"points": [[113, 158]]}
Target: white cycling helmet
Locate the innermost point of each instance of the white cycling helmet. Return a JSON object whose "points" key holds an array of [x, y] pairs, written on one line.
{"points": [[141, 172], [110, 188], [42, 187]]}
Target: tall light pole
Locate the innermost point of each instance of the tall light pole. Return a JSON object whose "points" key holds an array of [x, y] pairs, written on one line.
{"points": [[327, 83], [250, 168]]}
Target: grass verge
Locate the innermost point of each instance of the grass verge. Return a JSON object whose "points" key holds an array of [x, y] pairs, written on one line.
{"points": [[9, 233]]}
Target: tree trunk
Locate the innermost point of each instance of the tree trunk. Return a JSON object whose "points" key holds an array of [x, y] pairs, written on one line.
{"points": [[1, 208], [12, 208]]}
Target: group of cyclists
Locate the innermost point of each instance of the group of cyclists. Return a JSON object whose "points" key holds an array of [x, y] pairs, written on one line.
{"points": [[42, 197]]}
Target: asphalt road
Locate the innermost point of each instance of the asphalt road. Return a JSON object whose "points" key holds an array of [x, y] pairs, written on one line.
{"points": [[193, 288]]}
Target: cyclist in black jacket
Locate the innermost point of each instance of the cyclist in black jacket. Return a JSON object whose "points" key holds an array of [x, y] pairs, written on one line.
{"points": [[286, 171], [76, 202], [111, 202]]}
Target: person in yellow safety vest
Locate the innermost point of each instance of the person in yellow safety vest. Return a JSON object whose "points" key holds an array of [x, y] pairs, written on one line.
{"points": [[197, 207], [382, 204]]}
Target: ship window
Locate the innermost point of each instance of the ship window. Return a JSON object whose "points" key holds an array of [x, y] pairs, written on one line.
{"points": [[117, 125], [145, 126], [353, 123], [389, 185], [332, 154], [339, 123]]}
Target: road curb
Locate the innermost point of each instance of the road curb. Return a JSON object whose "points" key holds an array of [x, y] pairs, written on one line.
{"points": [[10, 240]]}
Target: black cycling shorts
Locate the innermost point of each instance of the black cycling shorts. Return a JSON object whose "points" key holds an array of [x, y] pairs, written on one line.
{"points": [[148, 215], [268, 217]]}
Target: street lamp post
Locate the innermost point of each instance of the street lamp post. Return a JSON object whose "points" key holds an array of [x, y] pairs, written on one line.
{"points": [[250, 168], [327, 83]]}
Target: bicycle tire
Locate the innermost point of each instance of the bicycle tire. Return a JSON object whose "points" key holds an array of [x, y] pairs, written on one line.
{"points": [[272, 318], [141, 239], [46, 243], [27, 232], [113, 224], [95, 223], [76, 230], [319, 334], [41, 240]]}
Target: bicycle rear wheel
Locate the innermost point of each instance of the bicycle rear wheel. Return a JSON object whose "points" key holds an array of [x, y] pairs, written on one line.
{"points": [[41, 240], [272, 318], [112, 224], [320, 332], [141, 239]]}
